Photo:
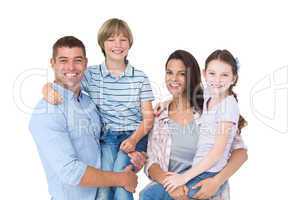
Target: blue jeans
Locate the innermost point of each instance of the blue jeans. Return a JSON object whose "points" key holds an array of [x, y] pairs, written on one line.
{"points": [[156, 191], [114, 159]]}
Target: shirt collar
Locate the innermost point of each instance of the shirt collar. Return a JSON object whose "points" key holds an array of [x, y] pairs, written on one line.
{"points": [[129, 71], [164, 116], [66, 93]]}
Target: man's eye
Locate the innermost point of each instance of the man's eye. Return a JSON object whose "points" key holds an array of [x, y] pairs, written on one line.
{"points": [[78, 61]]}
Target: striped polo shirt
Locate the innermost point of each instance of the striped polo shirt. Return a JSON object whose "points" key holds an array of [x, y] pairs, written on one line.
{"points": [[118, 98]]}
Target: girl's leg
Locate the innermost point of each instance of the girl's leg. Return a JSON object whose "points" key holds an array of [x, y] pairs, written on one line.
{"points": [[196, 180]]}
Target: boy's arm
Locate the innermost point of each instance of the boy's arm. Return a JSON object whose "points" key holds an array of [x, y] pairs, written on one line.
{"points": [[147, 123], [129, 144]]}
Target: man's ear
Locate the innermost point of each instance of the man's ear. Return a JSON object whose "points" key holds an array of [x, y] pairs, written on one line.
{"points": [[52, 61]]}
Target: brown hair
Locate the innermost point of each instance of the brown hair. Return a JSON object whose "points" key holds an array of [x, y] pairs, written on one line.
{"points": [[111, 27], [194, 87], [67, 41], [226, 57]]}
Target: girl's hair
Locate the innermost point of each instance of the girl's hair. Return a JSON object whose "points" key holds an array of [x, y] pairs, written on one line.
{"points": [[226, 57], [193, 86], [113, 27]]}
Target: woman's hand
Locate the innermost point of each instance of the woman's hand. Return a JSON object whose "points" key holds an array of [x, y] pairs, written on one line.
{"points": [[50, 95], [173, 180], [138, 159], [128, 145], [180, 193], [208, 186]]}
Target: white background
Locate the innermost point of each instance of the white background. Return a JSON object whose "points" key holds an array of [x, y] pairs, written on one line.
{"points": [[263, 34]]}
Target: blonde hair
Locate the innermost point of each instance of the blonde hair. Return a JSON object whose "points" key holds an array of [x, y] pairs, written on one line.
{"points": [[112, 27]]}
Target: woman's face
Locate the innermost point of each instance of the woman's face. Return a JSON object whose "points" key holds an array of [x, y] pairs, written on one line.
{"points": [[176, 77], [116, 47], [219, 77]]}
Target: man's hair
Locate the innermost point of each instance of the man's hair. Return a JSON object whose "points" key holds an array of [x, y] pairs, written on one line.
{"points": [[67, 41]]}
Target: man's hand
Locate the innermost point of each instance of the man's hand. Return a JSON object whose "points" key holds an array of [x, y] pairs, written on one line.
{"points": [[208, 186], [128, 145], [180, 193], [130, 179], [138, 159]]}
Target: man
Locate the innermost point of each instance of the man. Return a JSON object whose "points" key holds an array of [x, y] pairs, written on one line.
{"points": [[67, 135]]}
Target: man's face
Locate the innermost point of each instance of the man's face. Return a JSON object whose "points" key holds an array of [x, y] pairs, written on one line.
{"points": [[69, 65]]}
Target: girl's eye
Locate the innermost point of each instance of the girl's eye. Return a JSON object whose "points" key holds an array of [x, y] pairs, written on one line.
{"points": [[211, 73], [225, 75]]}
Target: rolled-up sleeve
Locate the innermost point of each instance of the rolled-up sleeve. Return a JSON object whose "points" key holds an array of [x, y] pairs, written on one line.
{"points": [[55, 147], [238, 143]]}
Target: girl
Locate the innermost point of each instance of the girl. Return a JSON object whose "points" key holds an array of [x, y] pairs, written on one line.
{"points": [[176, 135]]}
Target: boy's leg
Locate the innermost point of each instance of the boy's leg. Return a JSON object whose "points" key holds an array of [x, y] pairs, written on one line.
{"points": [[154, 191], [121, 162], [109, 153]]}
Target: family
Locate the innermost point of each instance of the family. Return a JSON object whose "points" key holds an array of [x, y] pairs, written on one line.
{"points": [[95, 127]]}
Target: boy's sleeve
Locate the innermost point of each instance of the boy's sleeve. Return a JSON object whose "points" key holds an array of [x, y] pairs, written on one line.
{"points": [[146, 90]]}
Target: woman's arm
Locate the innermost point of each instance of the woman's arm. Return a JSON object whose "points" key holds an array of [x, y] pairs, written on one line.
{"points": [[211, 185]]}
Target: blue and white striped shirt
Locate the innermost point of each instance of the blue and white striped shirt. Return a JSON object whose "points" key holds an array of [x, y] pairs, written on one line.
{"points": [[118, 98]]}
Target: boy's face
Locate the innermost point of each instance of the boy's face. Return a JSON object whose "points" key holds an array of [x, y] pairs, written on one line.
{"points": [[116, 47], [69, 66]]}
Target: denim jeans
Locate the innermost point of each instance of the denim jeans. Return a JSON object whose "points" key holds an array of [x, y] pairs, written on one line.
{"points": [[114, 159], [156, 191]]}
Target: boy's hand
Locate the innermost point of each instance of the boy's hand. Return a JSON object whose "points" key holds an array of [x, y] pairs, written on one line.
{"points": [[50, 95], [128, 145]]}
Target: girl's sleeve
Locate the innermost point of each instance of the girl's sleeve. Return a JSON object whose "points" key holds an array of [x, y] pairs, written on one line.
{"points": [[229, 111]]}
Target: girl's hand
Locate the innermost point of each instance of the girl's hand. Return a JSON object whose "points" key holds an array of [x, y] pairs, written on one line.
{"points": [[128, 145], [208, 186], [173, 181], [50, 95]]}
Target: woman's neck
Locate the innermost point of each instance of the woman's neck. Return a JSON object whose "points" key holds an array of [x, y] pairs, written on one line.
{"points": [[180, 104], [116, 67]]}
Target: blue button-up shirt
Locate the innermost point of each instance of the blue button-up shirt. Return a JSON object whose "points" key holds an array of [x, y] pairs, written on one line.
{"points": [[67, 139]]}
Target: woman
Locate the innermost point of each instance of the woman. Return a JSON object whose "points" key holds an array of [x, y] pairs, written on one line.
{"points": [[173, 141]]}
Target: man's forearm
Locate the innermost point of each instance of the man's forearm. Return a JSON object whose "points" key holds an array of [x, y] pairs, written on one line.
{"points": [[236, 160], [96, 178]]}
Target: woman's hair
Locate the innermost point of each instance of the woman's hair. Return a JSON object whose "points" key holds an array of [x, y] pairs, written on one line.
{"points": [[226, 57], [194, 89], [113, 27]]}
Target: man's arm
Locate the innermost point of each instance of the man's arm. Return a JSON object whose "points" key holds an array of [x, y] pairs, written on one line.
{"points": [[50, 133]]}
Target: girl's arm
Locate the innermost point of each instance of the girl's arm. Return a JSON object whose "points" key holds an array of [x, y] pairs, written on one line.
{"points": [[143, 129], [210, 159]]}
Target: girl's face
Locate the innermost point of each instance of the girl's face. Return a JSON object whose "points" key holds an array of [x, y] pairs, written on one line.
{"points": [[176, 77], [219, 77], [116, 47]]}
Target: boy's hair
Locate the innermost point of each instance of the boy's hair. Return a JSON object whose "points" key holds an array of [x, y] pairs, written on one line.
{"points": [[226, 57], [194, 89], [67, 41], [113, 27]]}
